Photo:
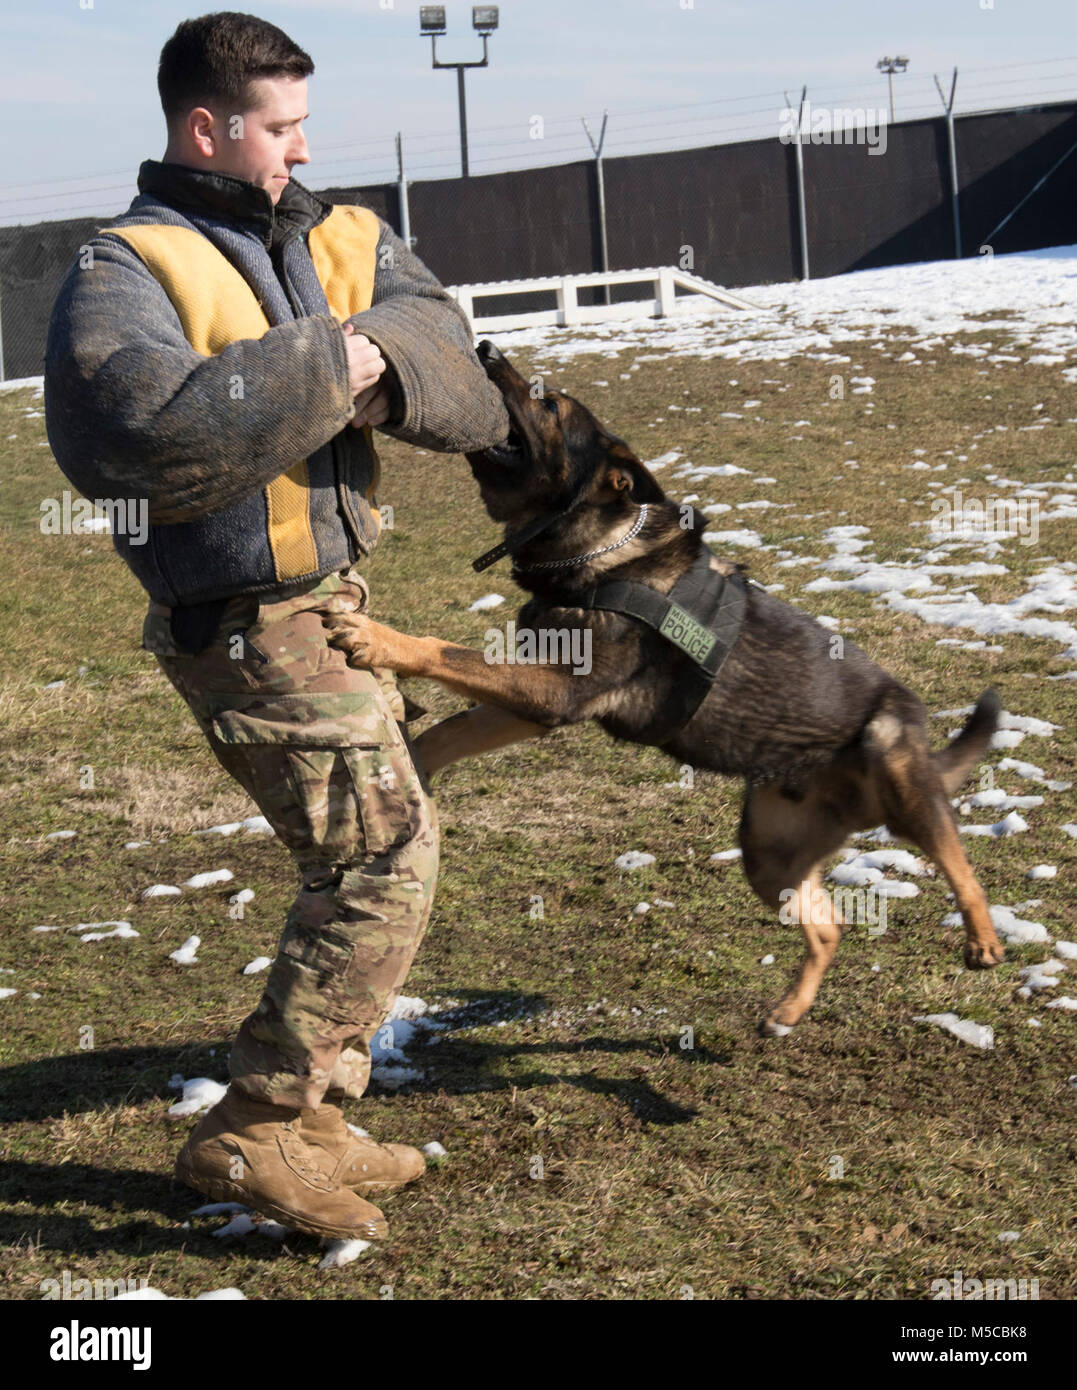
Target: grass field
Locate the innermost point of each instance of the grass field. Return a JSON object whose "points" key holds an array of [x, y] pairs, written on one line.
{"points": [[860, 1158]]}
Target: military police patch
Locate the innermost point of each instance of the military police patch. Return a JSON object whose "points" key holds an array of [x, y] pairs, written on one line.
{"points": [[683, 631]]}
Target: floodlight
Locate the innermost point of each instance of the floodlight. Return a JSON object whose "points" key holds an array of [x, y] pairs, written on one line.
{"points": [[431, 19], [484, 18]]}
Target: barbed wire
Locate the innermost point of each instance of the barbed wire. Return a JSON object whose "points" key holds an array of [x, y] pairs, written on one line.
{"points": [[906, 79], [563, 138]]}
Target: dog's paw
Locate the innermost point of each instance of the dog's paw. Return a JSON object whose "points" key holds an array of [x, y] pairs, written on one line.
{"points": [[351, 634], [771, 1028], [982, 955]]}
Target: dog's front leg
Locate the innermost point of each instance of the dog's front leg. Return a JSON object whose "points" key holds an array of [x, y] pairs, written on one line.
{"points": [[547, 694], [481, 729]]}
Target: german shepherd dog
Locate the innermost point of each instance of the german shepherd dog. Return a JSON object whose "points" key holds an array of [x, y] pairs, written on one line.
{"points": [[826, 746]]}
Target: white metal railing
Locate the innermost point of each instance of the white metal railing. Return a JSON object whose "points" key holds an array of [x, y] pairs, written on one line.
{"points": [[662, 279]]}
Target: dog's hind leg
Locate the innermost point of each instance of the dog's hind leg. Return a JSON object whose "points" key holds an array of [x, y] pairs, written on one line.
{"points": [[916, 808], [784, 840]]}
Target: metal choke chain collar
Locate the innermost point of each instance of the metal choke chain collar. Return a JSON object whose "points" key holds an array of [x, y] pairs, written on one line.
{"points": [[637, 527]]}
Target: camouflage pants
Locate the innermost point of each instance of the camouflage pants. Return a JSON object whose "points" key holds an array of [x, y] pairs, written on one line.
{"points": [[319, 748]]}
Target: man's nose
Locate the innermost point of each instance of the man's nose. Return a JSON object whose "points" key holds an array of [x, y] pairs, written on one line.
{"points": [[300, 152]]}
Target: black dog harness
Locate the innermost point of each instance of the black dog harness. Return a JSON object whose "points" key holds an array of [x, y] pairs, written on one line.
{"points": [[701, 616]]}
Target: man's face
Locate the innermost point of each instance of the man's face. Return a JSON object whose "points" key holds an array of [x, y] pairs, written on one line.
{"points": [[263, 147]]}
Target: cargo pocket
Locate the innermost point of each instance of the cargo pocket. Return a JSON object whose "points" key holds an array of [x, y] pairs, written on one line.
{"points": [[308, 984], [329, 770], [325, 952]]}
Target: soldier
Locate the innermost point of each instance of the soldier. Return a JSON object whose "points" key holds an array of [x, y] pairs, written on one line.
{"points": [[223, 350]]}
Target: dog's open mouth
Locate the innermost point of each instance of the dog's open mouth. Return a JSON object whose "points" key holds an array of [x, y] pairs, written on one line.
{"points": [[511, 454]]}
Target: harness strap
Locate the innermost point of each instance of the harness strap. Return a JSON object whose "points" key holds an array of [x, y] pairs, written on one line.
{"points": [[702, 616]]}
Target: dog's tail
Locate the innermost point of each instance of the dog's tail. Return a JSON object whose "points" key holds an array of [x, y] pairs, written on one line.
{"points": [[959, 755]]}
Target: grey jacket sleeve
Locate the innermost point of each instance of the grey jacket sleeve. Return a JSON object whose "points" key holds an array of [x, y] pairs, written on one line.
{"points": [[132, 410], [443, 400]]}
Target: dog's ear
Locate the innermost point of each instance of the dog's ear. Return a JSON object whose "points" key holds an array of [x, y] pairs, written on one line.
{"points": [[625, 473]]}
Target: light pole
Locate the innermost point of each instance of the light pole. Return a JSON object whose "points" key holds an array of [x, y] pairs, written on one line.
{"points": [[890, 66], [432, 23]]}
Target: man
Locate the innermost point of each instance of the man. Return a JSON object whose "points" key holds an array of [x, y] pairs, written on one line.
{"points": [[223, 350]]}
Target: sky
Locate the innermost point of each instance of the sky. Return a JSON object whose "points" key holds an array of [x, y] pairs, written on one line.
{"points": [[81, 111]]}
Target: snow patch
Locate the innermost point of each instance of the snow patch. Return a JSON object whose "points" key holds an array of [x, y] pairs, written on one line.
{"points": [[979, 1035]]}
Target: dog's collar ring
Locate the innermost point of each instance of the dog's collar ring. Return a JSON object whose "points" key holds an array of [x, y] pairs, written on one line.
{"points": [[630, 535]]}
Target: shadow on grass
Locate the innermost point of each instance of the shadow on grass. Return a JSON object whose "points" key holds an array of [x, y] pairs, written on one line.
{"points": [[454, 1065], [54, 1191], [99, 1080], [108, 1189], [96, 1081]]}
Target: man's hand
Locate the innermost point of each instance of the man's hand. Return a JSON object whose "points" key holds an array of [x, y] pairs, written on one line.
{"points": [[365, 368]]}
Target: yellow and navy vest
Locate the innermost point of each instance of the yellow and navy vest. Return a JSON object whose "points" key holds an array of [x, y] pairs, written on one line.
{"points": [[319, 515]]}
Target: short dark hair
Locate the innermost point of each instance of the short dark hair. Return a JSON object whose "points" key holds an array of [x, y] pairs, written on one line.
{"points": [[213, 60]]}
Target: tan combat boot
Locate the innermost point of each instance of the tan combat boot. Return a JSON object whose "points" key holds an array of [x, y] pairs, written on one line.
{"points": [[358, 1163], [247, 1150]]}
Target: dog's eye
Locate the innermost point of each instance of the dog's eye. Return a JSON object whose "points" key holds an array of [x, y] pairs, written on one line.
{"points": [[550, 402]]}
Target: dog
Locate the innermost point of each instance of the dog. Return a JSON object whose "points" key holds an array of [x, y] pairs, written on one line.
{"points": [[827, 745]]}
